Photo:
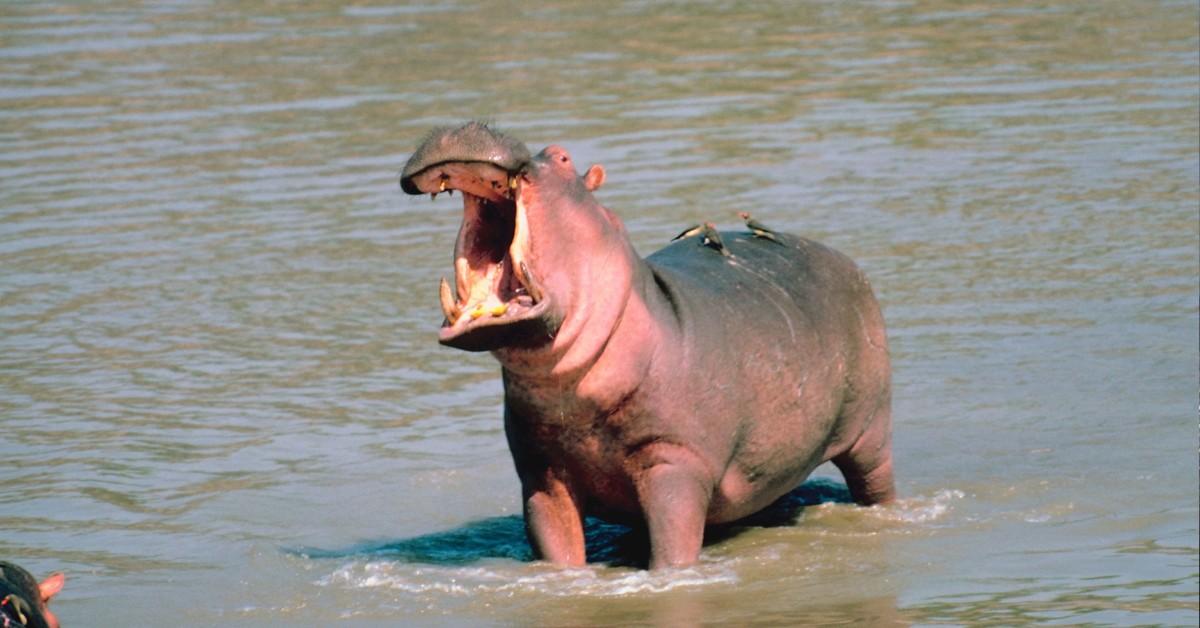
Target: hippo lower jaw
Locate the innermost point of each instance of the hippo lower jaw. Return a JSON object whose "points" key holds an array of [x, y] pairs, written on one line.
{"points": [[496, 301]]}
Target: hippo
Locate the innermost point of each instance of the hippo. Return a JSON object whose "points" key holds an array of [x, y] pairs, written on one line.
{"points": [[23, 599], [693, 387]]}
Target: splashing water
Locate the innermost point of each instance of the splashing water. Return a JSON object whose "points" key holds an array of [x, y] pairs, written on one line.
{"points": [[502, 579]]}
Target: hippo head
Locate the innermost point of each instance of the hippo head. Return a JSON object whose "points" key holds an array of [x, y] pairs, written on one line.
{"points": [[528, 223], [23, 599]]}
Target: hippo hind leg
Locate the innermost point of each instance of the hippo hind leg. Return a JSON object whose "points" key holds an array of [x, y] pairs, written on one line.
{"points": [[867, 464]]}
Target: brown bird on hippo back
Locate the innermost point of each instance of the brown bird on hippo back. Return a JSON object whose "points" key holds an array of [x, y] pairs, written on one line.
{"points": [[757, 227], [608, 360]]}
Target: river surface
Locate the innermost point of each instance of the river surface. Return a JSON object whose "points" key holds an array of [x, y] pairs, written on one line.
{"points": [[223, 402]]}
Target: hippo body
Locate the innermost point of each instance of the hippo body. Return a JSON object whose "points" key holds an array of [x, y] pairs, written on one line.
{"points": [[693, 387]]}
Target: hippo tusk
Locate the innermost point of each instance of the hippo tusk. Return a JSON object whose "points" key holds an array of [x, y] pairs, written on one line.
{"points": [[449, 305], [535, 291]]}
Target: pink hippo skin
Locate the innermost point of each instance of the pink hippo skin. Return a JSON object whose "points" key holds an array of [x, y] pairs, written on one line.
{"points": [[693, 387]]}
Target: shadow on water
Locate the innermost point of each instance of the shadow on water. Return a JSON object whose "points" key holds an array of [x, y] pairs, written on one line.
{"points": [[610, 543]]}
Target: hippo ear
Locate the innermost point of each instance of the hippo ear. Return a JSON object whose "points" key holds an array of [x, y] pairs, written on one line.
{"points": [[594, 177], [50, 587]]}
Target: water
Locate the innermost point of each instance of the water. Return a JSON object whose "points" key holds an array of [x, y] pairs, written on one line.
{"points": [[222, 401]]}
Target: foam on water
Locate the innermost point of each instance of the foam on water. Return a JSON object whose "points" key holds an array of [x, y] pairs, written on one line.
{"points": [[905, 515], [922, 509], [595, 581]]}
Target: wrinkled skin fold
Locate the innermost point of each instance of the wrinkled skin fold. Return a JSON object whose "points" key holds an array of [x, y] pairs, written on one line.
{"points": [[692, 387]]}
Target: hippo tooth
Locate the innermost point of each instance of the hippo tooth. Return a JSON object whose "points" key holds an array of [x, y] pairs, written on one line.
{"points": [[442, 186], [462, 272], [534, 291], [520, 272], [499, 310], [449, 306]]}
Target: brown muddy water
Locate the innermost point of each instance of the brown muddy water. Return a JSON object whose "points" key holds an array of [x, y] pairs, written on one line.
{"points": [[223, 403]]}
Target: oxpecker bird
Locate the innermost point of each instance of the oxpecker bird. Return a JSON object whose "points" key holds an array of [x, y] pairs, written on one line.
{"points": [[757, 228], [712, 239], [689, 232]]}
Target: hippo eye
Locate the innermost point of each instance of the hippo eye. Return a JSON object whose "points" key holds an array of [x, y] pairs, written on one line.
{"points": [[564, 158]]}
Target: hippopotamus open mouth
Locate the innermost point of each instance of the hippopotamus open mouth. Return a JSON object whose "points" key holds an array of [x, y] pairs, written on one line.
{"points": [[496, 300]]}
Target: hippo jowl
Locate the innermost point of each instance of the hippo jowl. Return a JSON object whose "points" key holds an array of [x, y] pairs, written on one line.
{"points": [[692, 387]]}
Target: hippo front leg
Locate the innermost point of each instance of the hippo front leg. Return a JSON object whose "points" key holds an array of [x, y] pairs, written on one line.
{"points": [[674, 493], [553, 522]]}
